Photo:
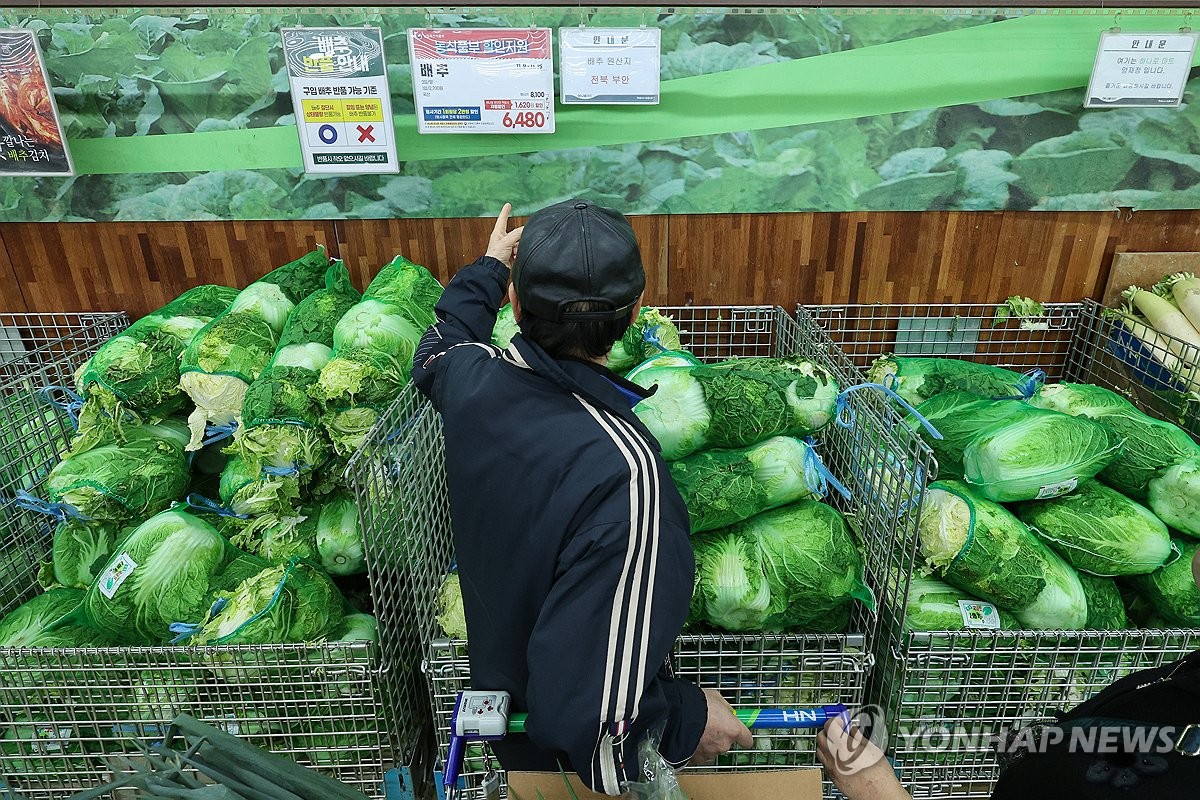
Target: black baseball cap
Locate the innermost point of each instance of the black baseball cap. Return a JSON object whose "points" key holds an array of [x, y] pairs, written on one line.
{"points": [[577, 251]]}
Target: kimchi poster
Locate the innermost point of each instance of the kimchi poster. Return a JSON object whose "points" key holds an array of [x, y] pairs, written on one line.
{"points": [[31, 136]]}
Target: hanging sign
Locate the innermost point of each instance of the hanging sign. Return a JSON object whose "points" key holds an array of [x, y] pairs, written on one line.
{"points": [[482, 80], [31, 135], [1140, 69], [340, 96], [610, 65]]}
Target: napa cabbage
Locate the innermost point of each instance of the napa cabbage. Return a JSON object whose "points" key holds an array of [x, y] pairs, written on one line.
{"points": [[792, 568], [978, 546], [1100, 531], [450, 613], [163, 572], [667, 358], [1171, 590], [651, 333], [280, 421], [959, 417], [79, 550], [919, 379], [293, 602], [1151, 445], [1175, 496], [136, 373], [118, 483], [1105, 609], [47, 621], [735, 403], [338, 538], [721, 487], [246, 490], [506, 327], [1037, 454], [229, 354], [933, 605]]}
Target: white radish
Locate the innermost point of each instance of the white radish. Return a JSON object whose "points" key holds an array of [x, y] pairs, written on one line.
{"points": [[1158, 347], [1166, 318], [1184, 287]]}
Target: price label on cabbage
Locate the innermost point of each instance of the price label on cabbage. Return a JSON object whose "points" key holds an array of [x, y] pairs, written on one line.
{"points": [[482, 80], [1057, 489], [979, 615], [117, 573]]}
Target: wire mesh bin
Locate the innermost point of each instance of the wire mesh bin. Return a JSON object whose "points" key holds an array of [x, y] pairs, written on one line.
{"points": [[402, 480], [67, 716], [949, 698]]}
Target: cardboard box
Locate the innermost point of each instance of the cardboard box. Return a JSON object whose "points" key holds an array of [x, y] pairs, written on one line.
{"points": [[779, 784]]}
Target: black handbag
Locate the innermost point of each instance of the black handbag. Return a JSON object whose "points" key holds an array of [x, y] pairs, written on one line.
{"points": [[1139, 738]]}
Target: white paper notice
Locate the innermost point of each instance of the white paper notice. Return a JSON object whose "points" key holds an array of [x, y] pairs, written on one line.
{"points": [[340, 96], [610, 65], [482, 80], [1140, 69]]}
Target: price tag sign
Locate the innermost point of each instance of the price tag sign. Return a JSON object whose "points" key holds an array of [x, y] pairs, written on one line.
{"points": [[482, 80], [1135, 70], [340, 96], [978, 615], [610, 65], [31, 136]]}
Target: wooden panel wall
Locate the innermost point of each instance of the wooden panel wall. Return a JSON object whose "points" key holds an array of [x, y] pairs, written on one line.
{"points": [[701, 259]]}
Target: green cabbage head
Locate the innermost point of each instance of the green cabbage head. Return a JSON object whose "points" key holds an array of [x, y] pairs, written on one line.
{"points": [[1175, 496]]}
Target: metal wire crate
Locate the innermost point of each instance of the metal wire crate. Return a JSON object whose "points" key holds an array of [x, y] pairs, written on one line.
{"points": [[401, 480], [946, 697], [67, 715]]}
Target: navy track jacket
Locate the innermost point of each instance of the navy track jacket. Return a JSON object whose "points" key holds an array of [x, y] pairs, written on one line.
{"points": [[571, 540]]}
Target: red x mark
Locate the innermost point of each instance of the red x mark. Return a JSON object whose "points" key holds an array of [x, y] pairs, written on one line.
{"points": [[364, 134]]}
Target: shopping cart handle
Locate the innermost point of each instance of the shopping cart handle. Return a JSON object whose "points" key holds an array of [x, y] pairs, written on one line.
{"points": [[756, 718]]}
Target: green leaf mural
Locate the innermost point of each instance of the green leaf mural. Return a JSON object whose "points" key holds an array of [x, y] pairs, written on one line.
{"points": [[149, 99]]}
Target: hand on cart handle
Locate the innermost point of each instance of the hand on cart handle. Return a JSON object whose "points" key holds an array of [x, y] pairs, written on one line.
{"points": [[723, 730], [856, 766]]}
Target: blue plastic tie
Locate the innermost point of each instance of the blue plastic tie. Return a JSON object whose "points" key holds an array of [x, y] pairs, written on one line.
{"points": [[282, 472], [217, 433], [72, 406], [825, 478], [846, 415], [1028, 386], [650, 335], [60, 511], [204, 505], [186, 630]]}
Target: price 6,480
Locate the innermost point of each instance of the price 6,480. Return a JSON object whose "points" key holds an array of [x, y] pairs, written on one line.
{"points": [[524, 119]]}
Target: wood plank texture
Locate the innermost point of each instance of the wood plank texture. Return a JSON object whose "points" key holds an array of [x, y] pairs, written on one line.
{"points": [[932, 257], [11, 296], [140, 266]]}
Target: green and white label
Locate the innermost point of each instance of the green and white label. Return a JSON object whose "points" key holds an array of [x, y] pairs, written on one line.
{"points": [[341, 99], [978, 615], [1057, 489], [118, 571]]}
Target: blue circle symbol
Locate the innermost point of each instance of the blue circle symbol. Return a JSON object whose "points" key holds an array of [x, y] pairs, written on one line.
{"points": [[327, 134]]}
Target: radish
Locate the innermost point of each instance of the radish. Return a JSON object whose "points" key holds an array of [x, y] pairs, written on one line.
{"points": [[1166, 318], [1184, 288], [1157, 348]]}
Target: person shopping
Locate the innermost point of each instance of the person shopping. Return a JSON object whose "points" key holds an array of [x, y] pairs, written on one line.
{"points": [[571, 539]]}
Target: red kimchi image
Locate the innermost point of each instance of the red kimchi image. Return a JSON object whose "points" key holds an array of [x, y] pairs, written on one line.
{"points": [[26, 105]]}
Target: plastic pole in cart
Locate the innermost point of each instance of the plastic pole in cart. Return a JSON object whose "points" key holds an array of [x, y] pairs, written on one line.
{"points": [[484, 717]]}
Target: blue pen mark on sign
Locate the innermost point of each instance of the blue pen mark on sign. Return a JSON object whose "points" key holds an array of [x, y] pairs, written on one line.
{"points": [[328, 134], [452, 113]]}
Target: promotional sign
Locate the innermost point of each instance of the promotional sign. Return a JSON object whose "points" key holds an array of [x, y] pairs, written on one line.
{"points": [[482, 80], [341, 99], [1140, 69], [610, 65], [31, 136]]}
